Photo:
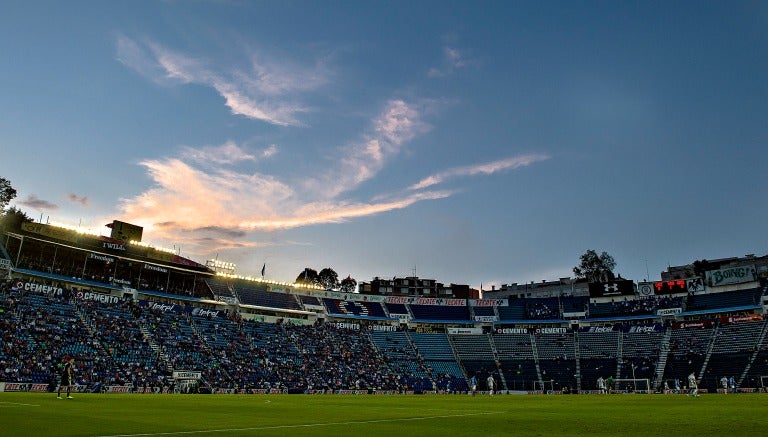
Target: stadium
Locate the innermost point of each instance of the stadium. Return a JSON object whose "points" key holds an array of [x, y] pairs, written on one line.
{"points": [[143, 322]]}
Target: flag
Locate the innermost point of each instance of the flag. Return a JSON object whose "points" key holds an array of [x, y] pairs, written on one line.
{"points": [[263, 268]]}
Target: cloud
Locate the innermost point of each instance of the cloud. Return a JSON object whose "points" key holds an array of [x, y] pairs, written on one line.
{"points": [[484, 169], [320, 213], [219, 230], [199, 191], [74, 198], [254, 87], [199, 199], [397, 124], [453, 60], [227, 153], [32, 201]]}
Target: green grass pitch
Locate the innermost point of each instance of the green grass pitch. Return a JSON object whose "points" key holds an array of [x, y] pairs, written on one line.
{"points": [[41, 414]]}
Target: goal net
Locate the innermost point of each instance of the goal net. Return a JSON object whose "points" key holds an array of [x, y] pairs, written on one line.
{"points": [[632, 385], [544, 386]]}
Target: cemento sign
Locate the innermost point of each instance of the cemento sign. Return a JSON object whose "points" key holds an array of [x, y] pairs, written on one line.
{"points": [[39, 288], [669, 311], [184, 374]]}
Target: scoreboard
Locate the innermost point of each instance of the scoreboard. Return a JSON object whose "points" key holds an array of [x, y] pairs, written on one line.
{"points": [[125, 231], [670, 287]]}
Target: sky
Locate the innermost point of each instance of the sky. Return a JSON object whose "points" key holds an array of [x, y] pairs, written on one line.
{"points": [[479, 143]]}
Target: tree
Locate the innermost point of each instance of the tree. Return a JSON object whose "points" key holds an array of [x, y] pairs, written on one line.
{"points": [[328, 278], [348, 284], [7, 193], [308, 277], [12, 218], [594, 267], [700, 267]]}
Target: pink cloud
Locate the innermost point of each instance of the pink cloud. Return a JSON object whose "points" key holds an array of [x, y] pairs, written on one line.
{"points": [[485, 169]]}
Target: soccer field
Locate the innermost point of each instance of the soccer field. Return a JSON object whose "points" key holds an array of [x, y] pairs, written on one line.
{"points": [[41, 414]]}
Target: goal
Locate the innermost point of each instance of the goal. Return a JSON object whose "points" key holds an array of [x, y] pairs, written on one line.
{"points": [[544, 386], [763, 382], [632, 385]]}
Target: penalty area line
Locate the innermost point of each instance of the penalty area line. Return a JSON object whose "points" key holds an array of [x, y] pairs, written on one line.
{"points": [[305, 425]]}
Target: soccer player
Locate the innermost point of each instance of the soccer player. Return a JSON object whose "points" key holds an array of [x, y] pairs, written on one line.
{"points": [[601, 385], [724, 384], [693, 386], [732, 383], [67, 377], [491, 384], [473, 384]]}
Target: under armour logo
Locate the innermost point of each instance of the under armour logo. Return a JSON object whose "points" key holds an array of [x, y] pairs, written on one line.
{"points": [[611, 287]]}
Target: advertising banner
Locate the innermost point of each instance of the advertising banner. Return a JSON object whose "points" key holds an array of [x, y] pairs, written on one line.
{"points": [[702, 324], [118, 389], [99, 297], [646, 289], [695, 285], [186, 374], [383, 328], [403, 318], [669, 311], [643, 328], [38, 288], [205, 312], [512, 330], [612, 288], [488, 302], [345, 325], [741, 319], [162, 307], [733, 275], [548, 330], [465, 331]]}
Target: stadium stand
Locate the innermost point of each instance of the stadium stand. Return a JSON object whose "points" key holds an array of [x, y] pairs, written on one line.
{"points": [[403, 359], [514, 311], [688, 349], [115, 326], [732, 351], [220, 289], [557, 359], [484, 311], [436, 313], [725, 300], [598, 353], [516, 357], [355, 345], [640, 351], [309, 300], [436, 351], [475, 353], [756, 375], [355, 309], [257, 294]]}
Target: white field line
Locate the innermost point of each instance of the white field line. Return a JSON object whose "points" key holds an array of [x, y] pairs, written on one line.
{"points": [[16, 404], [306, 425]]}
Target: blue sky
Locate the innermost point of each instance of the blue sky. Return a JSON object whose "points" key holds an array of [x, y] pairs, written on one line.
{"points": [[475, 142]]}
